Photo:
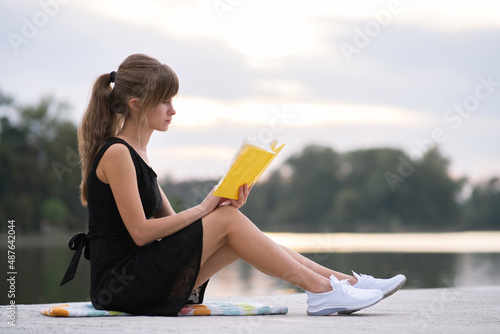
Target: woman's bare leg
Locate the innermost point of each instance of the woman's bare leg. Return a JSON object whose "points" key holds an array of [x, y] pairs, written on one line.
{"points": [[323, 271], [223, 257], [228, 226]]}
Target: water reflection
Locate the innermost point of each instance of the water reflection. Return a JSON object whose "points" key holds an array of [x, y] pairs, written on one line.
{"points": [[40, 271], [424, 270]]}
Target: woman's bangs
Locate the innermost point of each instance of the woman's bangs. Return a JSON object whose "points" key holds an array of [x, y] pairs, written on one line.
{"points": [[168, 83]]}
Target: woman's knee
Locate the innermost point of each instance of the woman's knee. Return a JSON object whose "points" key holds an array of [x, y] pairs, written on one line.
{"points": [[224, 216], [225, 212]]}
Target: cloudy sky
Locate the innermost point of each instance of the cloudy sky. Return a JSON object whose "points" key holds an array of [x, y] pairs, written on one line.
{"points": [[347, 74]]}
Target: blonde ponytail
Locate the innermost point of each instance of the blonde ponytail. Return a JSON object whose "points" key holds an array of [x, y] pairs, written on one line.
{"points": [[139, 76]]}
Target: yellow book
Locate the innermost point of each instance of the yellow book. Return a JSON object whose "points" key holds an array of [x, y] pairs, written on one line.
{"points": [[248, 164]]}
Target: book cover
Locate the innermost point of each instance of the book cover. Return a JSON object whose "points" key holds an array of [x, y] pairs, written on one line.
{"points": [[248, 164]]}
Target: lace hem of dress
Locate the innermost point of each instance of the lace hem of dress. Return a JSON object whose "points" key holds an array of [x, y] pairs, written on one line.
{"points": [[197, 295]]}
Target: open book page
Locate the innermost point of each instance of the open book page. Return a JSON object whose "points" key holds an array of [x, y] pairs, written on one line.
{"points": [[248, 164]]}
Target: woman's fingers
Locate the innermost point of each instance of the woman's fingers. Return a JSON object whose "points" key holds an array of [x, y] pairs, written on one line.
{"points": [[242, 198]]}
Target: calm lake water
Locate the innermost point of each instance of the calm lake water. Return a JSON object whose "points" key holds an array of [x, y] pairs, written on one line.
{"points": [[40, 270]]}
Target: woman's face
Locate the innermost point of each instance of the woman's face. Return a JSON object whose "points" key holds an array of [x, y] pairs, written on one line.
{"points": [[160, 118]]}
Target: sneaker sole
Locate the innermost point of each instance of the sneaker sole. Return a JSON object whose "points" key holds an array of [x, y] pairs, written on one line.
{"points": [[390, 293], [395, 289], [341, 310]]}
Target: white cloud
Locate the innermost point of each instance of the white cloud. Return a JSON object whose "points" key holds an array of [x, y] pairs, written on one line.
{"points": [[455, 15], [281, 89], [263, 29], [190, 161], [273, 55], [193, 112]]}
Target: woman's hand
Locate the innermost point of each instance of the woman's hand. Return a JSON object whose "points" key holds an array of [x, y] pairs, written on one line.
{"points": [[242, 197], [211, 202]]}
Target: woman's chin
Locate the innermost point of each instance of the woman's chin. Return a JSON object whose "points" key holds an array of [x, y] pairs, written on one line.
{"points": [[163, 129]]}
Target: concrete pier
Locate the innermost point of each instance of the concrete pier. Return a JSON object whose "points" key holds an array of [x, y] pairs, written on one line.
{"points": [[453, 310]]}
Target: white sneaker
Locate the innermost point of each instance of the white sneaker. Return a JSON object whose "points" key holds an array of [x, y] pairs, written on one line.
{"points": [[386, 286], [343, 298]]}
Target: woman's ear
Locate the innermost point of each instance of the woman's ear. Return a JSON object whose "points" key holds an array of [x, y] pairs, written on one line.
{"points": [[133, 104]]}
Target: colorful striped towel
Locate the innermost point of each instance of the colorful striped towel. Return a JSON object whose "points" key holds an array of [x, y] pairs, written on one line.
{"points": [[85, 309]]}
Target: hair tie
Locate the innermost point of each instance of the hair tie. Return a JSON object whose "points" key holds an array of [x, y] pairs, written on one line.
{"points": [[112, 76]]}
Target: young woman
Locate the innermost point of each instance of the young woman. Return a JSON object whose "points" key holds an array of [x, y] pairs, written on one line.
{"points": [[147, 259]]}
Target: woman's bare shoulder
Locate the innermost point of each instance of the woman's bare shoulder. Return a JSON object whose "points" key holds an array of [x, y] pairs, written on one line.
{"points": [[117, 151], [116, 160]]}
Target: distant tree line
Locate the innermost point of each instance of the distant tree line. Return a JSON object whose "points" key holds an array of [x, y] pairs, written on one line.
{"points": [[320, 190], [315, 190], [39, 167]]}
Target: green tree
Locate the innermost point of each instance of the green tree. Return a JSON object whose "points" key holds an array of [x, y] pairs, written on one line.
{"points": [[482, 208], [364, 201], [264, 202], [319, 190], [38, 162], [309, 192], [428, 198], [327, 191], [425, 200], [54, 211]]}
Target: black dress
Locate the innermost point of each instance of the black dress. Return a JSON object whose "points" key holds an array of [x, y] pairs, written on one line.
{"points": [[155, 279]]}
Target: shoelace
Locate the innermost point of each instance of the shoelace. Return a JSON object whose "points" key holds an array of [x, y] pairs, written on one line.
{"points": [[343, 286], [367, 278]]}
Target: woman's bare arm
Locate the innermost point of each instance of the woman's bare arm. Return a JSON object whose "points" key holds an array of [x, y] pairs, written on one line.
{"points": [[117, 169]]}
